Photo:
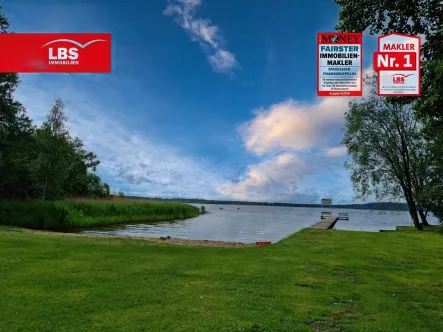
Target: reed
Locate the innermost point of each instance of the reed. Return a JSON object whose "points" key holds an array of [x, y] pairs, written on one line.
{"points": [[89, 213]]}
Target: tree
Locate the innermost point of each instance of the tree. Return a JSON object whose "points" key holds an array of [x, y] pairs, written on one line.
{"points": [[119, 194], [15, 136], [412, 17], [415, 17], [95, 187], [389, 157], [61, 162], [45, 162], [52, 154]]}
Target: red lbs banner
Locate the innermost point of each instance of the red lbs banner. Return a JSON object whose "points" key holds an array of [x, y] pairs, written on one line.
{"points": [[55, 53]]}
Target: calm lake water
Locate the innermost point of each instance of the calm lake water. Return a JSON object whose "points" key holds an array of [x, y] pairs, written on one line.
{"points": [[243, 223]]}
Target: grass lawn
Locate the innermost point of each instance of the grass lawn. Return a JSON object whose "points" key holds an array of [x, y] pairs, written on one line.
{"points": [[314, 280]]}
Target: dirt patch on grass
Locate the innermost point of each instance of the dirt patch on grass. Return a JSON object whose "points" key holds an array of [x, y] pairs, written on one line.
{"points": [[342, 272], [304, 286], [321, 278], [345, 301], [322, 325], [307, 267], [199, 282], [168, 240]]}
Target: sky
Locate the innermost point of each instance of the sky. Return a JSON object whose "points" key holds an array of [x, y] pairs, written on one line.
{"points": [[212, 99]]}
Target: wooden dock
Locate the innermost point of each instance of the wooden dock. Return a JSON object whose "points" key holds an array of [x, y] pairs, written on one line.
{"points": [[326, 223]]}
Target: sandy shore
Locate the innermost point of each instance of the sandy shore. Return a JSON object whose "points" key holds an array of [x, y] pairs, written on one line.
{"points": [[168, 240]]}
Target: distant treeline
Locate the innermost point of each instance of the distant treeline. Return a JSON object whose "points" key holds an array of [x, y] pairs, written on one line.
{"points": [[366, 206]]}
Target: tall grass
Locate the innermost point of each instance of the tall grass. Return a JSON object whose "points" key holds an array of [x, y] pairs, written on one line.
{"points": [[112, 199], [72, 214]]}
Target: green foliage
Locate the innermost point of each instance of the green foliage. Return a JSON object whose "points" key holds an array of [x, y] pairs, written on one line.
{"points": [[61, 164], [389, 156], [59, 215], [310, 281], [411, 17], [202, 210], [430, 110], [415, 17], [15, 135], [33, 214], [95, 187], [118, 194], [45, 162]]}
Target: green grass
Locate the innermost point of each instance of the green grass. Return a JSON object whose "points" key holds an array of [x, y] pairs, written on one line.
{"points": [[433, 228], [314, 280], [59, 215]]}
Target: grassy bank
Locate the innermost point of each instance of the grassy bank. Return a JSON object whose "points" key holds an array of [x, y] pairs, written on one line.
{"points": [[433, 228], [314, 280], [59, 215]]}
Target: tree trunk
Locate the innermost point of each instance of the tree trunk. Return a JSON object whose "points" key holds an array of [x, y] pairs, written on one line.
{"points": [[413, 211], [423, 216], [44, 188]]}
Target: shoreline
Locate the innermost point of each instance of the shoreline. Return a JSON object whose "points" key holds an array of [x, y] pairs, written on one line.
{"points": [[176, 241]]}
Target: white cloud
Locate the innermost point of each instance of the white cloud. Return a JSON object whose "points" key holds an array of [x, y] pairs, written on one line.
{"points": [[337, 151], [291, 177], [190, 2], [222, 61], [293, 125], [203, 32], [274, 178], [135, 163], [295, 131]]}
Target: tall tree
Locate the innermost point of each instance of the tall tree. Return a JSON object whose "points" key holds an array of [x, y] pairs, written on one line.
{"points": [[389, 157], [44, 163], [15, 135], [95, 187], [411, 17], [51, 153], [61, 162], [414, 17]]}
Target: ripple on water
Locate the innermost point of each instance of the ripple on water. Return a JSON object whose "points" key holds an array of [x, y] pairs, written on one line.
{"points": [[257, 223]]}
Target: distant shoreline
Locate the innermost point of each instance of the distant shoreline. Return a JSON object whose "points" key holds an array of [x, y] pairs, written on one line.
{"points": [[385, 206]]}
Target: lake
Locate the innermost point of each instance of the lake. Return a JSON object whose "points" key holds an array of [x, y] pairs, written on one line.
{"points": [[248, 224]]}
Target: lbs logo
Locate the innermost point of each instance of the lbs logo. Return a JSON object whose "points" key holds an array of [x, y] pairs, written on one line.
{"points": [[55, 52], [399, 78], [64, 53]]}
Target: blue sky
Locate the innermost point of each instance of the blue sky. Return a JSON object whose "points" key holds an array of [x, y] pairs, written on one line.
{"points": [[207, 98]]}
